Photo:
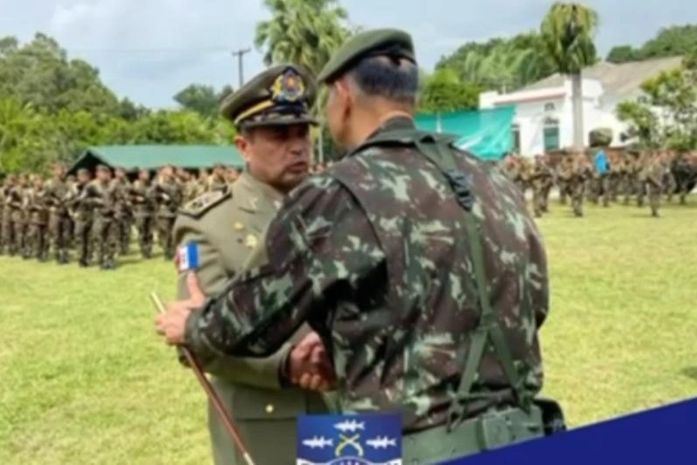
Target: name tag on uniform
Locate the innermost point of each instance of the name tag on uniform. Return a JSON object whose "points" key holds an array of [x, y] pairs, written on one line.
{"points": [[187, 257]]}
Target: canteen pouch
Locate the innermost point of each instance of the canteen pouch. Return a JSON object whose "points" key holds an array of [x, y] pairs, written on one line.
{"points": [[552, 416]]}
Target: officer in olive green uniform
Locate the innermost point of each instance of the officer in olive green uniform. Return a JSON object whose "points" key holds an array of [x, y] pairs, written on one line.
{"points": [[226, 224]]}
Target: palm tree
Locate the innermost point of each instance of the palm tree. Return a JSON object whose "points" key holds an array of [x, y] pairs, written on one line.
{"points": [[305, 32], [567, 31]]}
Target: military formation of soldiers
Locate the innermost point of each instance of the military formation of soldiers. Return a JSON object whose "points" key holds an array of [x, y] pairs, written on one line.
{"points": [[92, 216], [581, 176]]}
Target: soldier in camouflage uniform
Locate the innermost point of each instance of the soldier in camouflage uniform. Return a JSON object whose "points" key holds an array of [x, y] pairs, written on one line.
{"points": [[100, 196], [541, 180], [37, 241], [144, 211], [123, 217], [83, 217], [3, 187], [217, 181], [429, 312], [575, 171], [169, 196], [59, 222], [16, 216], [654, 176]]}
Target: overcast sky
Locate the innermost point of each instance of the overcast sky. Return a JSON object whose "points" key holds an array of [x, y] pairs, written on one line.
{"points": [[147, 50]]}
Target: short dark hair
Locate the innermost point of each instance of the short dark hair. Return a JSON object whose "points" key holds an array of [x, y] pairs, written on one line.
{"points": [[391, 78]]}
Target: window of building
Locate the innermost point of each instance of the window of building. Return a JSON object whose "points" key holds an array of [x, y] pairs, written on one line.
{"points": [[550, 107], [515, 133], [551, 134]]}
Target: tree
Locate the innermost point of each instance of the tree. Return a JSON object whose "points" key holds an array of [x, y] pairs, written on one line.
{"points": [[305, 32], [39, 73], [666, 115], [501, 64], [623, 54], [443, 91], [672, 41], [567, 31], [199, 98]]}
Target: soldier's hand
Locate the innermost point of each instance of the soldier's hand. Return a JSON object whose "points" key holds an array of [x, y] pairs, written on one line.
{"points": [[309, 365], [172, 323]]}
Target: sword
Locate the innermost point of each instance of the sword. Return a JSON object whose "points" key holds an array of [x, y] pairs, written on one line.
{"points": [[210, 391]]}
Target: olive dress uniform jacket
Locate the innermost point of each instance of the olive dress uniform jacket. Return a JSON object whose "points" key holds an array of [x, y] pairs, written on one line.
{"points": [[226, 227]]}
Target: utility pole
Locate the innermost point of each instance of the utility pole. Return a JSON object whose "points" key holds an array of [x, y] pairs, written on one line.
{"points": [[240, 67]]}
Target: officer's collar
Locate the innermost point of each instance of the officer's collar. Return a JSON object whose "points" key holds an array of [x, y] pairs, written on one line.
{"points": [[255, 202], [398, 121]]}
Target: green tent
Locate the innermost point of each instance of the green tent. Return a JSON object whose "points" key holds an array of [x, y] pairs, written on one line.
{"points": [[485, 133], [134, 157]]}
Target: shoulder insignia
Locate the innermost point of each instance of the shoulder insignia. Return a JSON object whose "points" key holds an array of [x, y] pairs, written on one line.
{"points": [[203, 203]]}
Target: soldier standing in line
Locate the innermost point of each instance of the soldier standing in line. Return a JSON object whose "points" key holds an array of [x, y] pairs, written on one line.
{"points": [[201, 183], [670, 184], [15, 200], [3, 186], [168, 195], [217, 180], [541, 181], [123, 215], [601, 175], [231, 175], [37, 244], [59, 223], [654, 176], [83, 217], [144, 211], [6, 225], [105, 237]]}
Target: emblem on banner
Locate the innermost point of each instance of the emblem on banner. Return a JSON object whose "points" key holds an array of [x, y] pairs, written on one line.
{"points": [[349, 440]]}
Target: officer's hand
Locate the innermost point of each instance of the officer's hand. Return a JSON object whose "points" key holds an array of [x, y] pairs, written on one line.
{"points": [[309, 365], [172, 323]]}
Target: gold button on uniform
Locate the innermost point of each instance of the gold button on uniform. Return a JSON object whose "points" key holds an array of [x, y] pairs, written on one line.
{"points": [[269, 409]]}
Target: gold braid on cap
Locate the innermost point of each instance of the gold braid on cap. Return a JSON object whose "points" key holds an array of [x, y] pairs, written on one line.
{"points": [[288, 88]]}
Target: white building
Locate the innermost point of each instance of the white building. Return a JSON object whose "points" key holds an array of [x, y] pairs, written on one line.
{"points": [[544, 115]]}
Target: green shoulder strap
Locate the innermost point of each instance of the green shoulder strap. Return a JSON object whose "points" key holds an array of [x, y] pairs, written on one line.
{"points": [[437, 149]]}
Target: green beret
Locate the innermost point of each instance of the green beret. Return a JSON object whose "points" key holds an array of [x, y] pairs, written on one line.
{"points": [[281, 95], [378, 42]]}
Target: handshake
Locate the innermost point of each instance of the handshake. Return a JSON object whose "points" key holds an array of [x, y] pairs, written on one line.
{"points": [[307, 364]]}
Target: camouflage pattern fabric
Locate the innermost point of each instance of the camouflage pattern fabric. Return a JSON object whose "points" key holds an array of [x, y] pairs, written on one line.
{"points": [[387, 280]]}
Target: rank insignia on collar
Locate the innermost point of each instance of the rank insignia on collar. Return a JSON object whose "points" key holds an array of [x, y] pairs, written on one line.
{"points": [[288, 87]]}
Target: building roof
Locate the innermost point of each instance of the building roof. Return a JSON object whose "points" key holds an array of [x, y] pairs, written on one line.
{"points": [[619, 80], [132, 157]]}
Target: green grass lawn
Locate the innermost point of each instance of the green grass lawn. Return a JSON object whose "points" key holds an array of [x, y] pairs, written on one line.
{"points": [[83, 379]]}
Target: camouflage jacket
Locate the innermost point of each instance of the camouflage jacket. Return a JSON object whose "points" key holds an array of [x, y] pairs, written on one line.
{"points": [[373, 253], [57, 192]]}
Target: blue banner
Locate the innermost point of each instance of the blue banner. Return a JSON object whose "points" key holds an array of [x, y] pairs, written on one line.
{"points": [[662, 436], [485, 133]]}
